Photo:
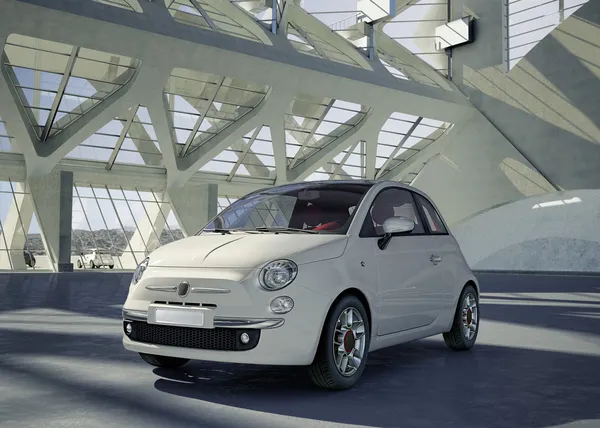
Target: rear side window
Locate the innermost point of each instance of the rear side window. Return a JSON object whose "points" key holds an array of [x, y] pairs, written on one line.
{"points": [[431, 216]]}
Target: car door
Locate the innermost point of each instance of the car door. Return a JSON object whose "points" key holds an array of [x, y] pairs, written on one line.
{"points": [[444, 254], [404, 269]]}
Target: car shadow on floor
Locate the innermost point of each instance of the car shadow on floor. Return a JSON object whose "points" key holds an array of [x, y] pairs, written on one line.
{"points": [[418, 384]]}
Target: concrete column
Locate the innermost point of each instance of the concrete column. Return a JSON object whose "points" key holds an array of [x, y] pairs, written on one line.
{"points": [[65, 222], [193, 205], [45, 194]]}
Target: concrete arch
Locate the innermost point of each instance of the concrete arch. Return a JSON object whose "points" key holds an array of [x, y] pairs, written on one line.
{"points": [[558, 231]]}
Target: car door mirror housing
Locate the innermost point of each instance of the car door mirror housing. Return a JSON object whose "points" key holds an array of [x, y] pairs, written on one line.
{"points": [[394, 226], [398, 225]]}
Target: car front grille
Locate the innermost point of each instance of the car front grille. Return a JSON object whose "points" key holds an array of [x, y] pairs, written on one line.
{"points": [[217, 339]]}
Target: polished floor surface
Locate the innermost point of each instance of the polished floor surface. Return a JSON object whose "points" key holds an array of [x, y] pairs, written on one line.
{"points": [[536, 364]]}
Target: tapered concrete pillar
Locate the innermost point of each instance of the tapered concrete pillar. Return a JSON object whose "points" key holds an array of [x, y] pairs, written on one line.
{"points": [[193, 205], [65, 222], [45, 194]]}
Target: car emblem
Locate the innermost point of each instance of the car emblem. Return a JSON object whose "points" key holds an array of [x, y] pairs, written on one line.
{"points": [[183, 289]]}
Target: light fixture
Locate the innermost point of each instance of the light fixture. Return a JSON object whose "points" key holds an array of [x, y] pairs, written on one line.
{"points": [[244, 338], [278, 274], [139, 271], [282, 305]]}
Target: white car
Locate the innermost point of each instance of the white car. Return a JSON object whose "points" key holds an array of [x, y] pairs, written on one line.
{"points": [[96, 258], [312, 274]]}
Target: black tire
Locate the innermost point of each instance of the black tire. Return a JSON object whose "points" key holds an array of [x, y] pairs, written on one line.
{"points": [[79, 265], [32, 262], [92, 264], [112, 266], [164, 362], [455, 338], [323, 371]]}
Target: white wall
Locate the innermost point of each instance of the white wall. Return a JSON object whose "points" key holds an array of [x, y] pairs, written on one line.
{"points": [[553, 232], [477, 170]]}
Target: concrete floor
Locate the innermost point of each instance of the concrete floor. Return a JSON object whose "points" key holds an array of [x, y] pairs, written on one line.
{"points": [[536, 364]]}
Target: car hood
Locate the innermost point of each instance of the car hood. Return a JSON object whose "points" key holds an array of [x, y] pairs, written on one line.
{"points": [[239, 250]]}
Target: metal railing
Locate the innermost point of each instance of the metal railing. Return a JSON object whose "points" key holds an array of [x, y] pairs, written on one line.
{"points": [[348, 22]]}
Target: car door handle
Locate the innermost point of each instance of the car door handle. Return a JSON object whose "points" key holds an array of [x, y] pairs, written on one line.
{"points": [[435, 259]]}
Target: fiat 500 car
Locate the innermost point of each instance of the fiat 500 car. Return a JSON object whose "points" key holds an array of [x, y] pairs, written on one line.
{"points": [[311, 274]]}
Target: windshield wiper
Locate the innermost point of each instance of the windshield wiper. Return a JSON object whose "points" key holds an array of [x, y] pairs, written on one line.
{"points": [[223, 231], [283, 229]]}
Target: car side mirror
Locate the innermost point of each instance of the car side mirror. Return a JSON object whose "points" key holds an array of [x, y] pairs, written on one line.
{"points": [[395, 226]]}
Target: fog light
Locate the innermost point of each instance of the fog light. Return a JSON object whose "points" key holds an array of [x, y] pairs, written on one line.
{"points": [[282, 305], [244, 338], [128, 328]]}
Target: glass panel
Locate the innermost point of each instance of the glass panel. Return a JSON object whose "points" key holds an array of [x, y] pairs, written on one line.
{"points": [[128, 231], [21, 240], [529, 21], [38, 66], [321, 209]]}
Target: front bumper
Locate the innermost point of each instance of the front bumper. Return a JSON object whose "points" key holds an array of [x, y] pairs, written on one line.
{"points": [[233, 301], [272, 341], [219, 322]]}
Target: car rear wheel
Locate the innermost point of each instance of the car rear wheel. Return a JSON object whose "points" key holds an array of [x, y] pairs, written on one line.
{"points": [[465, 327], [32, 262], [164, 362], [112, 266], [79, 265], [92, 264], [344, 346]]}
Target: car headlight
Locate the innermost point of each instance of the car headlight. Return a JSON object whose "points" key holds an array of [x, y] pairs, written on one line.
{"points": [[139, 271], [278, 274]]}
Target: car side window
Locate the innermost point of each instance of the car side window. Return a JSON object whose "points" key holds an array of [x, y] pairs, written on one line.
{"points": [[389, 203], [434, 221]]}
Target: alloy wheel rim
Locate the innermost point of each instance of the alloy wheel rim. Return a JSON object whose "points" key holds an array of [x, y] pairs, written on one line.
{"points": [[470, 316], [349, 341]]}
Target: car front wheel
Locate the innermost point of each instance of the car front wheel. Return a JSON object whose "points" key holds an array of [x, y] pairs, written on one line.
{"points": [[465, 327], [344, 346], [164, 362]]}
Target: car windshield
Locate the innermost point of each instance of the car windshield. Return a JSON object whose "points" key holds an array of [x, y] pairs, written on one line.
{"points": [[316, 208]]}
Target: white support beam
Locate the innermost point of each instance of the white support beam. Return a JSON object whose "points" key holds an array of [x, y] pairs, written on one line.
{"points": [[194, 205], [391, 47], [130, 115], [370, 126], [200, 119], [399, 147], [310, 138], [17, 125], [59, 93], [162, 122], [272, 106], [45, 195], [371, 156], [12, 165], [188, 47], [436, 147], [279, 148]]}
